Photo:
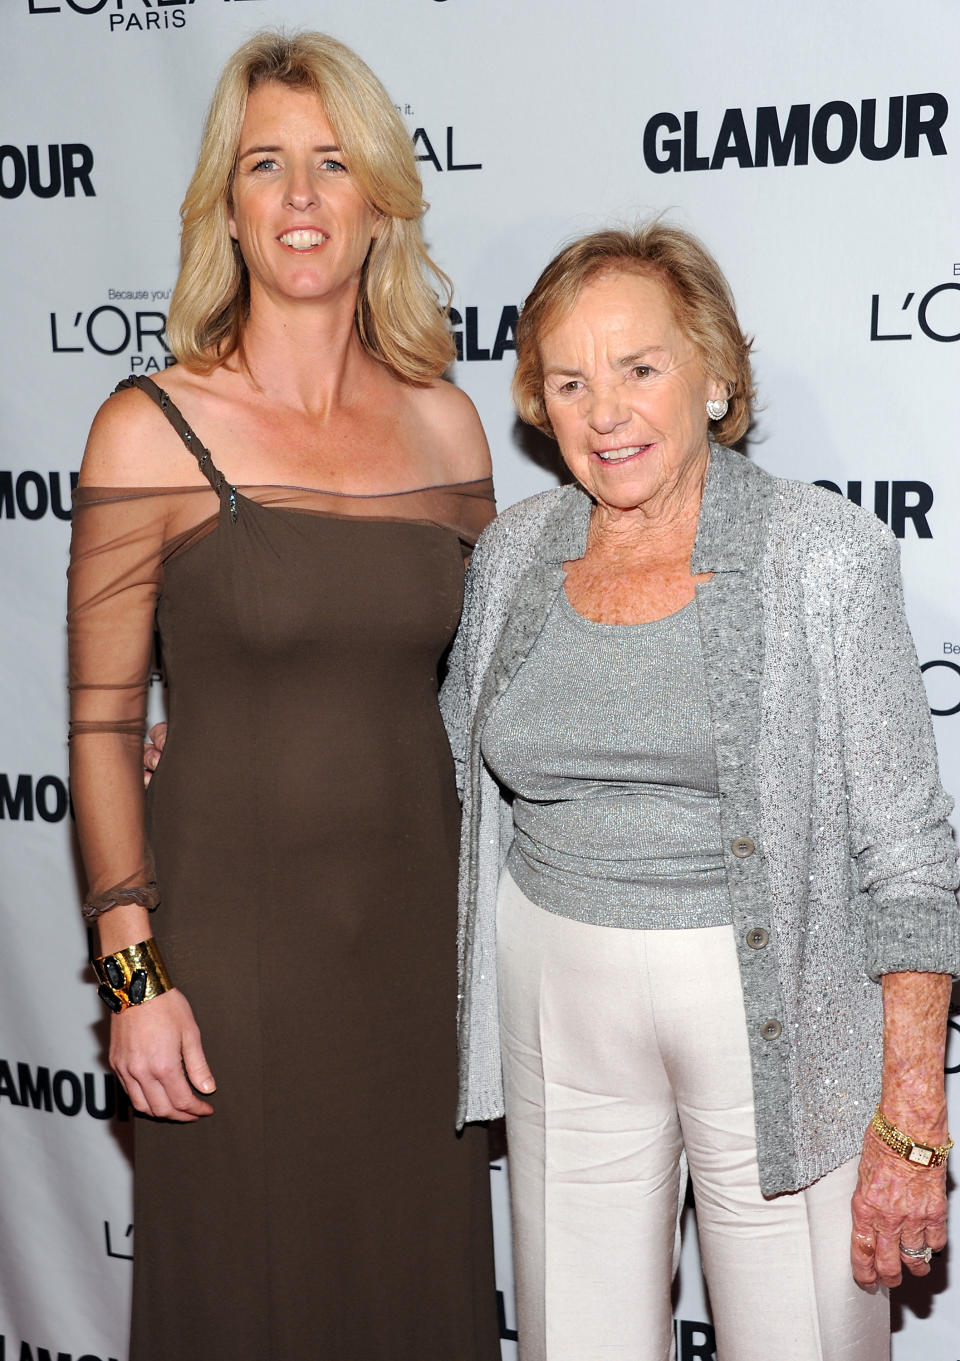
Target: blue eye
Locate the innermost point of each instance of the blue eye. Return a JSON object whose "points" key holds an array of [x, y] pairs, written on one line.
{"points": [[330, 164], [268, 163]]}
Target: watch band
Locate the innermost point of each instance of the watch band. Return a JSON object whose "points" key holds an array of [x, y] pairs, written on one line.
{"points": [[922, 1155]]}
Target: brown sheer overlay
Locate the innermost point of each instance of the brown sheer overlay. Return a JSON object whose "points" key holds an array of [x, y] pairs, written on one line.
{"points": [[123, 540], [304, 824]]}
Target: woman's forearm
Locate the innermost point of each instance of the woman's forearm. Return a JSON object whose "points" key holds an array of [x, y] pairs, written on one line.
{"points": [[915, 1007], [125, 925]]}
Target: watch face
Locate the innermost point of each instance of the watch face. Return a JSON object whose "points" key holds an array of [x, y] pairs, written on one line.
{"points": [[919, 1154]]}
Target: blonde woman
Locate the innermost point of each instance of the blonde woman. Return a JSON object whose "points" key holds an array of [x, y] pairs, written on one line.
{"points": [[292, 507]]}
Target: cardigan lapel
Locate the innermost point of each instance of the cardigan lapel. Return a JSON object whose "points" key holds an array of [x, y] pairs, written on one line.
{"points": [[562, 538], [730, 514], [730, 609]]}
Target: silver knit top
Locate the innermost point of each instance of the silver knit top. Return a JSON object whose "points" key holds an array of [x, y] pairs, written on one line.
{"points": [[604, 738]]}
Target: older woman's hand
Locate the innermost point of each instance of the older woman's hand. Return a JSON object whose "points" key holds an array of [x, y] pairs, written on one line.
{"points": [[898, 1204], [895, 1202]]}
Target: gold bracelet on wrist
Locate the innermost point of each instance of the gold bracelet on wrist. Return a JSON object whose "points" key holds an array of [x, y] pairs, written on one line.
{"points": [[131, 976], [922, 1155]]}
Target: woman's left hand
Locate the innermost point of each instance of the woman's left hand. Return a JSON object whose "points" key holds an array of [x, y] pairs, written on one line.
{"points": [[898, 1204], [895, 1203]]}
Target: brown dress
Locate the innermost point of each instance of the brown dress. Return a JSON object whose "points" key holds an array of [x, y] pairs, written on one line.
{"points": [[304, 826]]}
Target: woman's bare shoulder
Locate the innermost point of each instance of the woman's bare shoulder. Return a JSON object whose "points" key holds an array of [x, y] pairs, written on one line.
{"points": [[449, 422], [132, 444]]}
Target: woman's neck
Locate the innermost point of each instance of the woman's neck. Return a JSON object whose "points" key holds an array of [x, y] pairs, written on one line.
{"points": [[305, 356], [665, 524]]}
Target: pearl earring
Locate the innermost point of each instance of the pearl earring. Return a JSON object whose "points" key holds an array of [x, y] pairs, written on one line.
{"points": [[717, 410]]}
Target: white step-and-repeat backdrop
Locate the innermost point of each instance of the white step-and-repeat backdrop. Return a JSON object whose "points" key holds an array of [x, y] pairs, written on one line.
{"points": [[815, 148]]}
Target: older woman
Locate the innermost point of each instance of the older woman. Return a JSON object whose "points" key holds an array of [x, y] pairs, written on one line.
{"points": [[714, 848], [293, 504]]}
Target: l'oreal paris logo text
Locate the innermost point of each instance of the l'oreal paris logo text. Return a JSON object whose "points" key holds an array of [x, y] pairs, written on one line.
{"points": [[128, 16]]}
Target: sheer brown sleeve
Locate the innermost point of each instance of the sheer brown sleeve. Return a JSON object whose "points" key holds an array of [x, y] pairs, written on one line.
{"points": [[467, 507], [113, 582], [478, 508]]}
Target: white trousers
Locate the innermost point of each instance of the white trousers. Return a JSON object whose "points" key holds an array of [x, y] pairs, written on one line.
{"points": [[621, 1049]]}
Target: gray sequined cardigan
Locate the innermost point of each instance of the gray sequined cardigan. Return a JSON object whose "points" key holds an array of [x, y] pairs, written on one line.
{"points": [[840, 860]]}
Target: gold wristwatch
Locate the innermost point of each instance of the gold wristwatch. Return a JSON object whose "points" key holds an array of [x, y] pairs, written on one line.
{"points": [[909, 1149]]}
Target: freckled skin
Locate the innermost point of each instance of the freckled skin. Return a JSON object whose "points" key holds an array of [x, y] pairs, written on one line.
{"points": [[619, 372], [896, 1201]]}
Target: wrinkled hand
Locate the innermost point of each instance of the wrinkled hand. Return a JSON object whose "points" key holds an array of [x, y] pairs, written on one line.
{"points": [[154, 1049], [895, 1202], [153, 750]]}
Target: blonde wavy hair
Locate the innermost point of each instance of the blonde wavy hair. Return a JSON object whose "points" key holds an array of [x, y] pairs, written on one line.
{"points": [[702, 307], [404, 297]]}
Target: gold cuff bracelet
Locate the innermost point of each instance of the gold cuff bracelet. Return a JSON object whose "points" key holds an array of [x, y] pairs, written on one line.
{"points": [[131, 976]]}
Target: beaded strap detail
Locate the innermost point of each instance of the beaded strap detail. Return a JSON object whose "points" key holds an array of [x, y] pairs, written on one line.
{"points": [[199, 450]]}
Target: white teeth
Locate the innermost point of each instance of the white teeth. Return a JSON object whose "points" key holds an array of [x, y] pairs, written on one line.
{"points": [[302, 239], [618, 455]]}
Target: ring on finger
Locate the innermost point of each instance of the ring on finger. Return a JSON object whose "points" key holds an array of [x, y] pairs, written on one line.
{"points": [[924, 1251]]}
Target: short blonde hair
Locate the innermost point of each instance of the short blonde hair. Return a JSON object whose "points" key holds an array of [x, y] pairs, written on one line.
{"points": [[404, 298], [702, 306]]}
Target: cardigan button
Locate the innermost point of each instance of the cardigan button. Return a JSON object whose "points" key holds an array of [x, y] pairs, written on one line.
{"points": [[771, 1030], [757, 938], [742, 846]]}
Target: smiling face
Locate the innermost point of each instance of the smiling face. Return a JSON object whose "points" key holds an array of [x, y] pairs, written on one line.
{"points": [[626, 394], [302, 225]]}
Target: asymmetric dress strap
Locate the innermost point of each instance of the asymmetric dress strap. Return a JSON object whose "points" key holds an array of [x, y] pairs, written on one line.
{"points": [[199, 450]]}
